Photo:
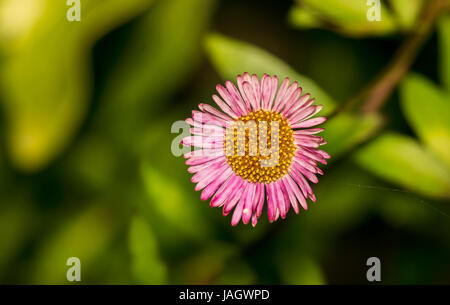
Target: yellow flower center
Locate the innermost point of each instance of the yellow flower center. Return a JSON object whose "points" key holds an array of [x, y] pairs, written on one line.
{"points": [[259, 147]]}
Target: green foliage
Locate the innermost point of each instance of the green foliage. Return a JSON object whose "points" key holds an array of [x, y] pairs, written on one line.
{"points": [[163, 49], [45, 79], [146, 264], [346, 130], [169, 201], [427, 109], [301, 271], [348, 17], [86, 235], [304, 18], [16, 226], [231, 58], [403, 161], [237, 272], [209, 261], [343, 200], [403, 209], [406, 11]]}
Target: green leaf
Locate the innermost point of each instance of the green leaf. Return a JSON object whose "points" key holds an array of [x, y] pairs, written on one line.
{"points": [[339, 207], [348, 17], [164, 48], [173, 205], [405, 211], [402, 161], [45, 79], [146, 265], [406, 11], [231, 58], [85, 236], [93, 162], [427, 109], [300, 271], [304, 18], [444, 50], [346, 130], [18, 221]]}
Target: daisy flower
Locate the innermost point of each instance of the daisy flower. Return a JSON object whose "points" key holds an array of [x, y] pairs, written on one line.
{"points": [[258, 149]]}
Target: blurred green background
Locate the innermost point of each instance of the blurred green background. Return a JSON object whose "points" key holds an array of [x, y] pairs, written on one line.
{"points": [[86, 168]]}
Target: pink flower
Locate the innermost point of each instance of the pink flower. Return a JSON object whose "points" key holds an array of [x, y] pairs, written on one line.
{"points": [[259, 148]]}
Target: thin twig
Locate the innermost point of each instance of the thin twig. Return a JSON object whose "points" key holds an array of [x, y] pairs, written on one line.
{"points": [[377, 92]]}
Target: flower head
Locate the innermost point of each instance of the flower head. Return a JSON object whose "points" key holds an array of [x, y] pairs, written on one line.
{"points": [[259, 148]]}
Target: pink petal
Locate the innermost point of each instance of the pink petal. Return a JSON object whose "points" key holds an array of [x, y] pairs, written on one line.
{"points": [[309, 123], [250, 94], [224, 106], [207, 118], [206, 177], [256, 197], [204, 153], [308, 131], [248, 203], [290, 98], [196, 124], [314, 156], [298, 105], [234, 197], [274, 92], [254, 220], [203, 159], [311, 177], [212, 187], [240, 82], [261, 199], [280, 199], [225, 190], [290, 194], [311, 138], [287, 200], [306, 143], [226, 96], [202, 142], [298, 194], [208, 132], [305, 114], [237, 97], [302, 183], [304, 164], [271, 205], [292, 90], [266, 91], [257, 91], [281, 92], [321, 152], [239, 208], [204, 166], [213, 111]]}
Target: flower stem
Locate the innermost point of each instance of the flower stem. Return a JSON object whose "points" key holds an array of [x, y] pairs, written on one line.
{"points": [[377, 92]]}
